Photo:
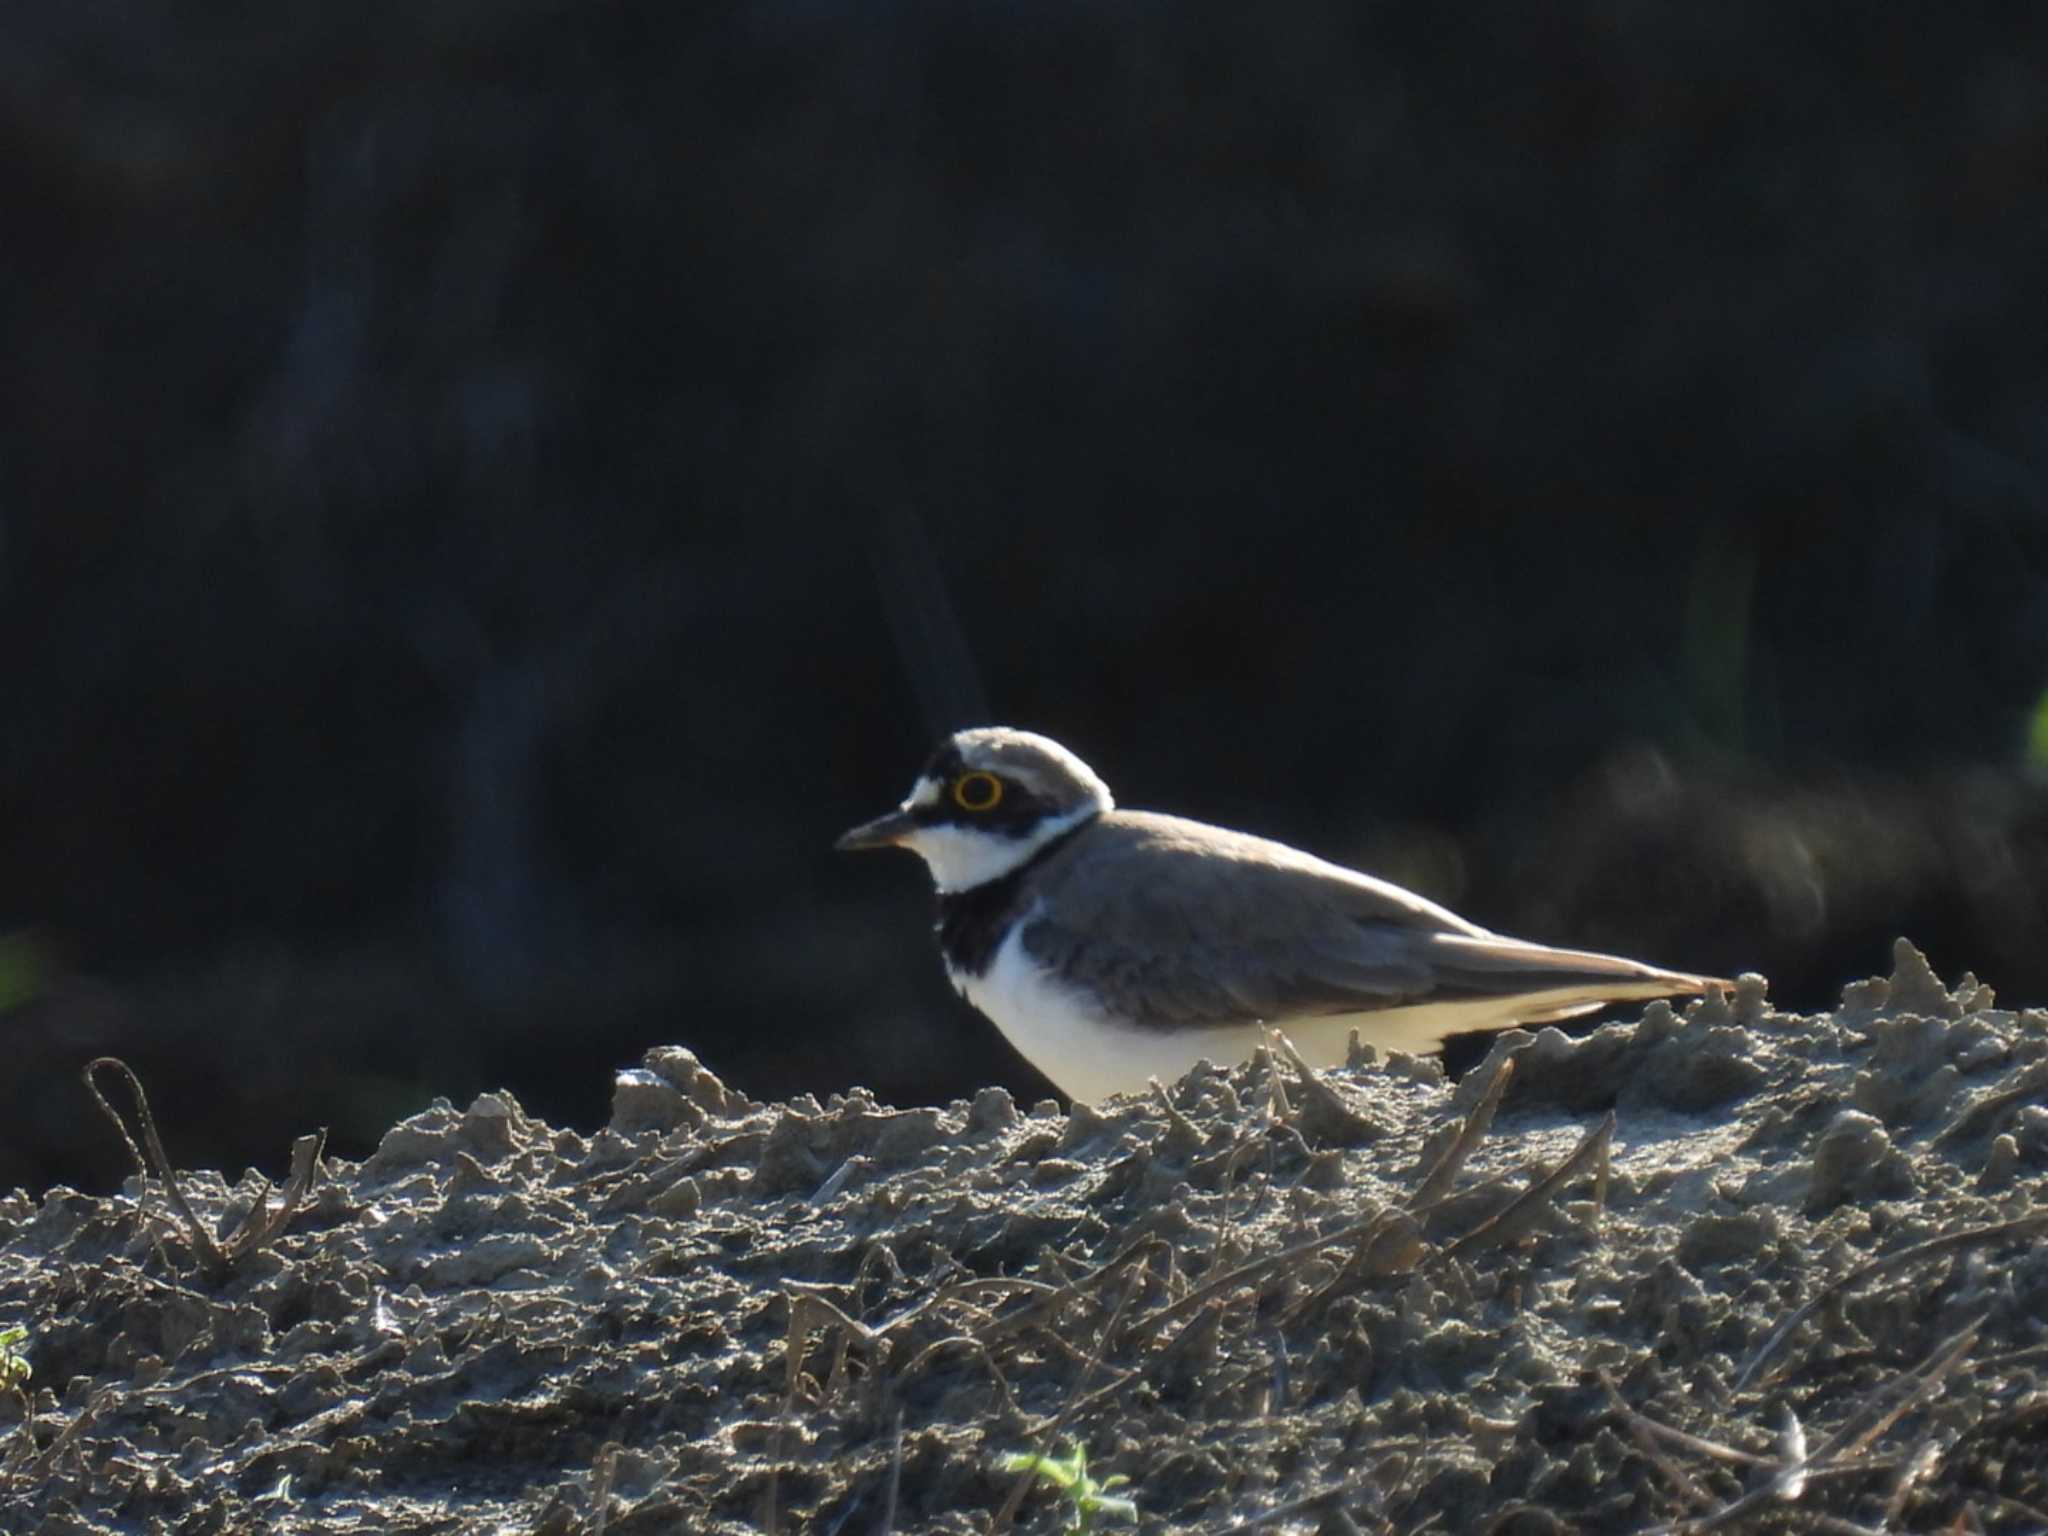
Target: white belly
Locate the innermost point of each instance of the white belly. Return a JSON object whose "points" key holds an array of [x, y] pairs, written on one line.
{"points": [[1089, 1056], [1060, 1032]]}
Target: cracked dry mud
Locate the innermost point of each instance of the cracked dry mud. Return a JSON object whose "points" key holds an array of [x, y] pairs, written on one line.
{"points": [[721, 1316]]}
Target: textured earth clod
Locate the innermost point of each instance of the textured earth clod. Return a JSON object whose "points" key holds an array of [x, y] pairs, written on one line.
{"points": [[716, 1315]]}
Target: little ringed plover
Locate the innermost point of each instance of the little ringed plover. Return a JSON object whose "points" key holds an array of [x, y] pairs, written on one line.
{"points": [[1115, 946]]}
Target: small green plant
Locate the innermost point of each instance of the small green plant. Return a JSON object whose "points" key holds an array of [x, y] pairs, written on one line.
{"points": [[1085, 1497], [24, 969], [14, 1369], [14, 1373]]}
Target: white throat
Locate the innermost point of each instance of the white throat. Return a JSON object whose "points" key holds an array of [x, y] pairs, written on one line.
{"points": [[963, 857]]}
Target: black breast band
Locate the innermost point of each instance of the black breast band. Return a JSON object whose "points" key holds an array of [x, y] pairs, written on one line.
{"points": [[973, 923]]}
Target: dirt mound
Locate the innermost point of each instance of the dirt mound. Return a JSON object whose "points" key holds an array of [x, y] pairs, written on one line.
{"points": [[1270, 1301]]}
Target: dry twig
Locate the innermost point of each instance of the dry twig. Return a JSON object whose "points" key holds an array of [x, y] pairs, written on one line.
{"points": [[262, 1223], [1050, 1431], [1786, 1475], [1321, 1499], [1522, 1213], [1436, 1183], [1934, 1247]]}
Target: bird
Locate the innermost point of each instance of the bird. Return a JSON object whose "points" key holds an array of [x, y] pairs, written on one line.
{"points": [[1113, 947]]}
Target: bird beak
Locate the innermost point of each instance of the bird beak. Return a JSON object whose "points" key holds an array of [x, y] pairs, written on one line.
{"points": [[888, 831]]}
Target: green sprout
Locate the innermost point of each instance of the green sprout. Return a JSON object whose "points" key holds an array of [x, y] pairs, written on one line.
{"points": [[1086, 1498], [13, 1359], [24, 969]]}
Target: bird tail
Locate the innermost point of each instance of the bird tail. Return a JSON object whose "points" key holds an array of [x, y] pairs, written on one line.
{"points": [[1488, 965]]}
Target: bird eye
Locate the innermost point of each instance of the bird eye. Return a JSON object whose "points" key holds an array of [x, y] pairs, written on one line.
{"points": [[977, 791]]}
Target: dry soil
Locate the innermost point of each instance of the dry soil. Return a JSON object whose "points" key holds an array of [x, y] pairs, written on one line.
{"points": [[1368, 1301]]}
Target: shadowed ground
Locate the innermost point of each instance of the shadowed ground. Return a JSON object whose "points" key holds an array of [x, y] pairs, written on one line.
{"points": [[1365, 1298]]}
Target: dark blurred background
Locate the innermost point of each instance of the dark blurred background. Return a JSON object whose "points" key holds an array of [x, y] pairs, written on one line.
{"points": [[488, 491]]}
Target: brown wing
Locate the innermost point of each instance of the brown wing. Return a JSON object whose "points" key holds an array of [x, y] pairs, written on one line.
{"points": [[1193, 925]]}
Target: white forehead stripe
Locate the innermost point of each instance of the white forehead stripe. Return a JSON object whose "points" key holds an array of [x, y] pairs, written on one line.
{"points": [[1038, 763], [924, 792]]}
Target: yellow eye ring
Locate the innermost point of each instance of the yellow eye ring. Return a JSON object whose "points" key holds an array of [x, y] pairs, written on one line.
{"points": [[977, 791]]}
